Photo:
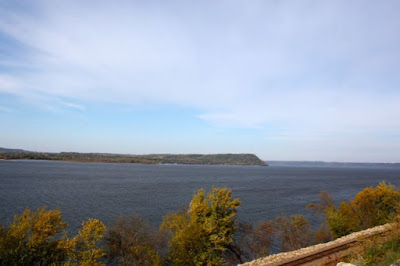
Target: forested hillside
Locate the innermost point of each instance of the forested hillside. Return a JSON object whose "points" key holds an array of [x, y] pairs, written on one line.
{"points": [[221, 159]]}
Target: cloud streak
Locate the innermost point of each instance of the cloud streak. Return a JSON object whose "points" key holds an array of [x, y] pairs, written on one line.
{"points": [[322, 66]]}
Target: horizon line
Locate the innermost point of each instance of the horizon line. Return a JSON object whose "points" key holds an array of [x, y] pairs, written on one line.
{"points": [[273, 160]]}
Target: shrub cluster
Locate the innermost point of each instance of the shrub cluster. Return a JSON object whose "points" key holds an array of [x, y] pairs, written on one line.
{"points": [[206, 233]]}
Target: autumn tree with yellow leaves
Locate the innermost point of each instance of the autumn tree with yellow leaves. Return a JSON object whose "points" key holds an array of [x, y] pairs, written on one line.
{"points": [[87, 250], [370, 207], [35, 237], [40, 238], [206, 233], [203, 234]]}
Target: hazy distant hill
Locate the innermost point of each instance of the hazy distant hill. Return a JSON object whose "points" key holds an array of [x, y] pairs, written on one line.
{"points": [[330, 164], [4, 150], [224, 159]]}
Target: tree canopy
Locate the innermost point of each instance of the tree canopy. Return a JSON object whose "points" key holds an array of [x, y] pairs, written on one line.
{"points": [[370, 207], [203, 234], [40, 238]]}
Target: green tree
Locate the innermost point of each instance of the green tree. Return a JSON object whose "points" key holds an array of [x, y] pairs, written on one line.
{"points": [[35, 237], [370, 207], [376, 206], [203, 234], [87, 249]]}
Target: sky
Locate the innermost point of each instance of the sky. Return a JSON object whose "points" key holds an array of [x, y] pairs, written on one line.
{"points": [[286, 80]]}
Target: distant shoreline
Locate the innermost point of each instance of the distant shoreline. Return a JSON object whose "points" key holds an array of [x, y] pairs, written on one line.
{"points": [[273, 164], [184, 159], [162, 164]]}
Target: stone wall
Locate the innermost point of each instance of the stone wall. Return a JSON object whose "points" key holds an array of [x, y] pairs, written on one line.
{"points": [[328, 253]]}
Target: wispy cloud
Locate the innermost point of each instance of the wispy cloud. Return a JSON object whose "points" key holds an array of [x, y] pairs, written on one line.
{"points": [[9, 84], [74, 106], [320, 65]]}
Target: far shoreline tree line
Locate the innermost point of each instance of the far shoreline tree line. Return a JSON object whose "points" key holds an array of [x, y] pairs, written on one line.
{"points": [[204, 233], [203, 159]]}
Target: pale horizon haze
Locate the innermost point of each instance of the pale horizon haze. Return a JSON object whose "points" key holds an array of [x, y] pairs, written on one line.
{"points": [[285, 80]]}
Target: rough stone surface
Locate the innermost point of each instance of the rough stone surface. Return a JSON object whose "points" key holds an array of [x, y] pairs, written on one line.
{"points": [[278, 259]]}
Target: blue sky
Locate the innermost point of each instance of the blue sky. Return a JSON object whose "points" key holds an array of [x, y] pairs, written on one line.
{"points": [[287, 80]]}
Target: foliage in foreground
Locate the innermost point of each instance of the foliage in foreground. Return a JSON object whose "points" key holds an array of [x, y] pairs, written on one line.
{"points": [[378, 250], [39, 238], [376, 255], [132, 241], [207, 233], [204, 234], [371, 207], [87, 250]]}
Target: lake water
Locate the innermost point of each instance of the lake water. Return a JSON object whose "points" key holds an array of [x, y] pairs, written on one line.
{"points": [[105, 191]]}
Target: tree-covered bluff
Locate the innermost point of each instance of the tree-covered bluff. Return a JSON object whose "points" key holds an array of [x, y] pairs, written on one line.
{"points": [[208, 159]]}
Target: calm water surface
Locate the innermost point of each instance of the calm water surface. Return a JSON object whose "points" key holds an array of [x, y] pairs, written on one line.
{"points": [[105, 191]]}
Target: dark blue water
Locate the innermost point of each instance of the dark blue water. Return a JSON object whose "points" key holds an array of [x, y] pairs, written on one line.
{"points": [[105, 191]]}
